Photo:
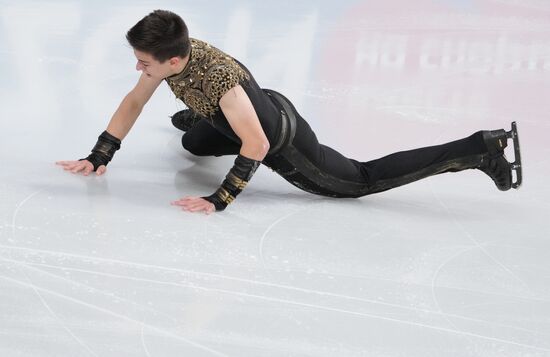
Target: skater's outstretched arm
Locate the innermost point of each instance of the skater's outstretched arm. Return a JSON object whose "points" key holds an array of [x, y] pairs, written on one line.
{"points": [[122, 121], [131, 106], [244, 121]]}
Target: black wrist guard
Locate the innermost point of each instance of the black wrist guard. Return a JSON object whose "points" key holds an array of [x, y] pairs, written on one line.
{"points": [[103, 150], [235, 181]]}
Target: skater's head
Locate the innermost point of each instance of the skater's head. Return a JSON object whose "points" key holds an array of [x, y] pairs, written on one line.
{"points": [[160, 41]]}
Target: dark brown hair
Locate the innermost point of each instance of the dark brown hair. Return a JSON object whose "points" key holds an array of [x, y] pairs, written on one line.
{"points": [[161, 34]]}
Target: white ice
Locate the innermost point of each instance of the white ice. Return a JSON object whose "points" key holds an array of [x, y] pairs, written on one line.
{"points": [[105, 266]]}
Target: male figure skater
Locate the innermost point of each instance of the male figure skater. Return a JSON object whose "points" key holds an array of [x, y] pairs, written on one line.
{"points": [[229, 114]]}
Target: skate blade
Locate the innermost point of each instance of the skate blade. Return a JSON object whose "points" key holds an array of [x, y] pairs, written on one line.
{"points": [[516, 165]]}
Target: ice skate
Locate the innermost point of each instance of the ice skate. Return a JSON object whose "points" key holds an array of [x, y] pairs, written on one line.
{"points": [[185, 119], [495, 164]]}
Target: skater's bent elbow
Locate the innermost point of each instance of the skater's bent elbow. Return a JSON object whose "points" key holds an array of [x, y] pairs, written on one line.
{"points": [[256, 151]]}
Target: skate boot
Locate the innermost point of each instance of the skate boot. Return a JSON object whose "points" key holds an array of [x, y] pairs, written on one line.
{"points": [[495, 164], [185, 119]]}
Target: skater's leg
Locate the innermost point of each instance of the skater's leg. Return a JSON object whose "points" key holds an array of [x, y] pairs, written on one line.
{"points": [[185, 119], [320, 169], [407, 166], [323, 170], [330, 162], [204, 140], [325, 158], [483, 150]]}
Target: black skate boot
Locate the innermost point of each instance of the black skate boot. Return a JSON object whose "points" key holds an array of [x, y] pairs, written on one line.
{"points": [[495, 164], [185, 119]]}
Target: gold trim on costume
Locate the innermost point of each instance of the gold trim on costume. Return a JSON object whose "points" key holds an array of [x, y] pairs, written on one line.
{"points": [[209, 74], [224, 195], [236, 181]]}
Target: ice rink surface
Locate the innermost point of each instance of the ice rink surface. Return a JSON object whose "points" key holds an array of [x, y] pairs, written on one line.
{"points": [[105, 266]]}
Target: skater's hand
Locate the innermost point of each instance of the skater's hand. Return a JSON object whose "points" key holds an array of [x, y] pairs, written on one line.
{"points": [[195, 204], [84, 165]]}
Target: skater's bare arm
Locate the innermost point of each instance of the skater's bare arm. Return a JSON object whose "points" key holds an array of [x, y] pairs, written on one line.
{"points": [[122, 121], [131, 106], [242, 117], [244, 121]]}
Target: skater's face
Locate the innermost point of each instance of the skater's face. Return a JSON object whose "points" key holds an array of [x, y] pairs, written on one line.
{"points": [[147, 64]]}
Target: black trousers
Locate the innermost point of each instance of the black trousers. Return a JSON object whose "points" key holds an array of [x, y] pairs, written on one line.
{"points": [[319, 169]]}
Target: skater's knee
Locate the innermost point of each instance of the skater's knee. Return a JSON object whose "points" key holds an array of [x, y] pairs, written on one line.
{"points": [[193, 145]]}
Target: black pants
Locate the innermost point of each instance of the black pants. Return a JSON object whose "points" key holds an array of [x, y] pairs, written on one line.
{"points": [[319, 169]]}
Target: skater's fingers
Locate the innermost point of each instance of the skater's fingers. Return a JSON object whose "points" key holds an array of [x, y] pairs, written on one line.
{"points": [[206, 207], [196, 209], [201, 206], [88, 170], [77, 169], [197, 205], [192, 205], [83, 166], [210, 208], [185, 200], [199, 202], [189, 206], [180, 203], [67, 164], [100, 170], [70, 166]]}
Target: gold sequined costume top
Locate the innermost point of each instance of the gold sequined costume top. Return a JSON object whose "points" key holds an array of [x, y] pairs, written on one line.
{"points": [[209, 74]]}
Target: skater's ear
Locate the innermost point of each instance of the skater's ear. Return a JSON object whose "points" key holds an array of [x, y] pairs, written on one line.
{"points": [[175, 61]]}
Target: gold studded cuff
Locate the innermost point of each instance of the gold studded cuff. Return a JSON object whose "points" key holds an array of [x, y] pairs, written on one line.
{"points": [[235, 181]]}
